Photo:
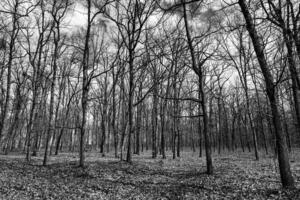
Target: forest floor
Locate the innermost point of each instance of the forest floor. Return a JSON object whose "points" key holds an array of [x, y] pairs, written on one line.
{"points": [[236, 176]]}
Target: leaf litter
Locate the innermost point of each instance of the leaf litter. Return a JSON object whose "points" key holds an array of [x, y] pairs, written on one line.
{"points": [[236, 176]]}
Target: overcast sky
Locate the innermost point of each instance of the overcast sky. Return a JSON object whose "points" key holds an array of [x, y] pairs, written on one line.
{"points": [[76, 17]]}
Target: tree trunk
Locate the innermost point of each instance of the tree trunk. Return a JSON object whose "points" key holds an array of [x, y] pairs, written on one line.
{"points": [[154, 114], [199, 72], [130, 104], [114, 128], [199, 124], [13, 37], [287, 179], [85, 87]]}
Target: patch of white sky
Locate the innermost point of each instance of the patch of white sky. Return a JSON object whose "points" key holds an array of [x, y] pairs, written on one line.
{"points": [[76, 18]]}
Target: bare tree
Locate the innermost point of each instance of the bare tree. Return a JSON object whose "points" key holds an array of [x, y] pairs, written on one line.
{"points": [[58, 11], [283, 159], [131, 18]]}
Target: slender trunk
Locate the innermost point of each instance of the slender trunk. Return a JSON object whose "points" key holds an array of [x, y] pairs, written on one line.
{"points": [[174, 110], [199, 124], [286, 129], [178, 139], [252, 129], [51, 123], [283, 158], [240, 131], [220, 130], [154, 115], [13, 37], [13, 126], [58, 141], [260, 116], [163, 119], [209, 165], [210, 121], [233, 142], [289, 38], [123, 117], [130, 105], [85, 88], [61, 90], [138, 122], [103, 130], [114, 128], [199, 72]]}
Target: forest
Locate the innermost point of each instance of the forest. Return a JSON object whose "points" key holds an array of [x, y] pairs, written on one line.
{"points": [[150, 99]]}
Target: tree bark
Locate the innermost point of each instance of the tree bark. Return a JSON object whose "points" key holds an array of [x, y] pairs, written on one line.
{"points": [[287, 179], [199, 72], [13, 37]]}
